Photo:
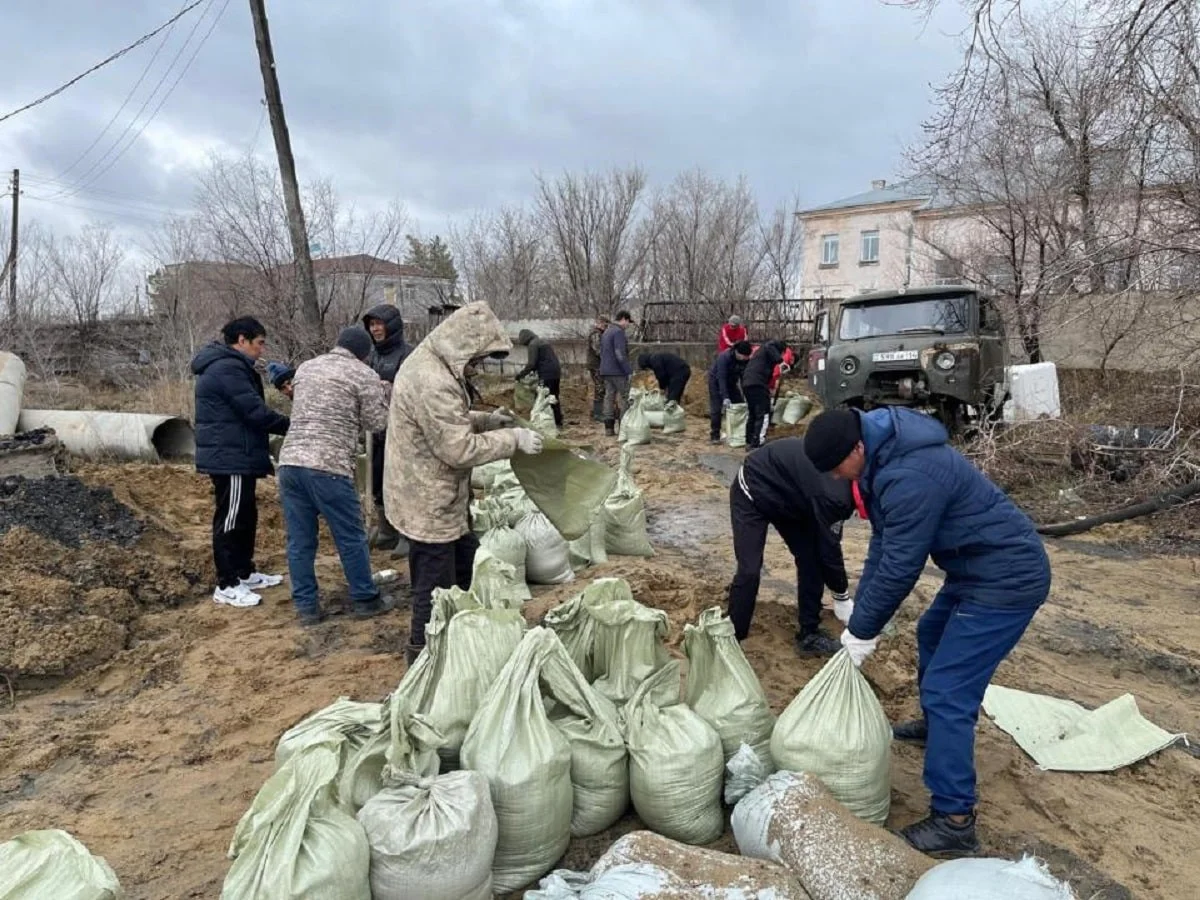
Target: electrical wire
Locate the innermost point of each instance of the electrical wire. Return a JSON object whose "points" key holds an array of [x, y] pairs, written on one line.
{"points": [[107, 213], [58, 90], [44, 184]]}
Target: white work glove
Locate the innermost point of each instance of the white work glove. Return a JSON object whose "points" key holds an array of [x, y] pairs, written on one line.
{"points": [[528, 441], [501, 418], [784, 368], [843, 608], [858, 649], [726, 403]]}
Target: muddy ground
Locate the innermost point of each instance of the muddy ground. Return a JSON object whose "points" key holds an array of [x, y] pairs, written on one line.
{"points": [[145, 717]]}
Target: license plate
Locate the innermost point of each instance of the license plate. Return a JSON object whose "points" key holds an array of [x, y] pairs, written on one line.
{"points": [[895, 356]]}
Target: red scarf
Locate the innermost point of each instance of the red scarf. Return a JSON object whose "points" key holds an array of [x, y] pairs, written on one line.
{"points": [[858, 500]]}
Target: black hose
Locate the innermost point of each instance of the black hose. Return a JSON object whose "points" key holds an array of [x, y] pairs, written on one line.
{"points": [[1166, 500]]}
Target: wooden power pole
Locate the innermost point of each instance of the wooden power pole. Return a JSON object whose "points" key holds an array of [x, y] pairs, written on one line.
{"points": [[12, 246], [310, 311]]}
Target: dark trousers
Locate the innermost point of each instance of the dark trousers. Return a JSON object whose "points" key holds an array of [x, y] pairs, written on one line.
{"points": [[437, 566], [553, 385], [817, 552], [715, 405], [235, 527], [676, 386], [597, 385], [959, 644], [758, 414], [378, 445]]}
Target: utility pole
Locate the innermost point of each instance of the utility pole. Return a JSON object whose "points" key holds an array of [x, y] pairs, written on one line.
{"points": [[12, 246], [310, 311]]}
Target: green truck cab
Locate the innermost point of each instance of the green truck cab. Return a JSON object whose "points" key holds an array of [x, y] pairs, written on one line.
{"points": [[941, 349]]}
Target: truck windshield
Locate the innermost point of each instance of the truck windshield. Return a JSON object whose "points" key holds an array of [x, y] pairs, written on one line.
{"points": [[938, 315]]}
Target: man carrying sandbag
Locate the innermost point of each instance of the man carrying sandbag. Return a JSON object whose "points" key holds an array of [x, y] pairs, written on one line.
{"points": [[925, 499], [541, 358], [671, 371], [434, 440], [757, 382], [725, 385], [778, 486]]}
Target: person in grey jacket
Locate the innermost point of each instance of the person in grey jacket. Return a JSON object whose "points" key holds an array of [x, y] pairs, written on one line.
{"points": [[615, 370], [541, 359], [388, 351]]}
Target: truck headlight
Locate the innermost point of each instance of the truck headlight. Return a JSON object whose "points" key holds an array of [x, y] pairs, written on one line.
{"points": [[849, 365], [944, 361]]}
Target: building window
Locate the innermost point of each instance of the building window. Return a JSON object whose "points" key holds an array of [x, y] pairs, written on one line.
{"points": [[829, 249], [947, 271], [869, 251]]}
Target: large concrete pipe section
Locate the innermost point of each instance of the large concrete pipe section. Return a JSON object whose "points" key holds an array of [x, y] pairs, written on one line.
{"points": [[12, 389], [95, 434]]}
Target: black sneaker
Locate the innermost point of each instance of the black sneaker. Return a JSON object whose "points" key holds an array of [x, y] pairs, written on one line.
{"points": [[714, 440], [914, 732], [366, 609], [309, 619], [816, 643], [937, 836]]}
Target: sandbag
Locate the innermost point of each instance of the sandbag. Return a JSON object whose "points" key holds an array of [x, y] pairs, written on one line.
{"points": [[733, 424], [635, 429], [643, 865], [524, 393], [12, 393], [674, 419], [484, 476], [793, 820], [655, 418], [628, 639], [541, 416], [359, 732], [590, 549], [466, 647], [568, 487], [836, 730], [52, 865], [779, 407], [796, 409], [576, 628], [625, 513], [990, 879], [496, 584], [676, 765], [505, 544], [723, 689], [294, 843], [744, 771], [527, 763], [547, 558], [652, 399]]}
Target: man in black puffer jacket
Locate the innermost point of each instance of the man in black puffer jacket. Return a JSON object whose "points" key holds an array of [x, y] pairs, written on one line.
{"points": [[233, 428], [541, 358], [386, 326], [671, 371], [756, 386]]}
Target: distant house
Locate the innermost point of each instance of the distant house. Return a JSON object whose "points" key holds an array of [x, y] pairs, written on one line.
{"points": [[349, 285]]}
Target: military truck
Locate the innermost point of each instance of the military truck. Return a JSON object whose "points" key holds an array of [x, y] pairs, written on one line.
{"points": [[940, 349]]}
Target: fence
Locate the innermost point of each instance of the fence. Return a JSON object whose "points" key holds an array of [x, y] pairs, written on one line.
{"points": [[791, 320]]}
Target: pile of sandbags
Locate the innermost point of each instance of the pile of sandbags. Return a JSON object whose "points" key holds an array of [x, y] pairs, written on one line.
{"points": [[790, 409], [52, 865]]}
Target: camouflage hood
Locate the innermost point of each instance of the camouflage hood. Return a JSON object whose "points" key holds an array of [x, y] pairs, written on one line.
{"points": [[469, 333]]}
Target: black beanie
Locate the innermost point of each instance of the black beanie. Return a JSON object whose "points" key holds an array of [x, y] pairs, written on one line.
{"points": [[357, 340], [831, 437]]}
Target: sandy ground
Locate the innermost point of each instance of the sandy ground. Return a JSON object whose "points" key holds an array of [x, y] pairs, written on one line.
{"points": [[150, 742]]}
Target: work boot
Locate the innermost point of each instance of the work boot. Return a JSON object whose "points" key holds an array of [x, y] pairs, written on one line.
{"points": [[411, 652], [366, 609], [714, 440], [400, 551], [383, 534], [309, 619], [816, 643], [936, 835], [610, 427], [913, 732]]}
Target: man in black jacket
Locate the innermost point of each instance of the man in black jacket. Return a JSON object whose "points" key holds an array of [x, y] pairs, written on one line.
{"points": [[725, 385], [389, 350], [233, 428], [756, 385], [541, 358], [778, 486], [670, 371]]}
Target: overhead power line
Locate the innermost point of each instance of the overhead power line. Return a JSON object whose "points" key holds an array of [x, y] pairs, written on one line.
{"points": [[58, 90]]}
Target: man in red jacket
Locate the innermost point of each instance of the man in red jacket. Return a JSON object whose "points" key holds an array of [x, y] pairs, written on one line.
{"points": [[731, 332]]}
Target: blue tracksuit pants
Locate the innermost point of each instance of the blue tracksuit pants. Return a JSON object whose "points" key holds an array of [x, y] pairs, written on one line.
{"points": [[959, 643]]}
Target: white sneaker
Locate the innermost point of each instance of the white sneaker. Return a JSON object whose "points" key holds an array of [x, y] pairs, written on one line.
{"points": [[239, 596], [259, 580]]}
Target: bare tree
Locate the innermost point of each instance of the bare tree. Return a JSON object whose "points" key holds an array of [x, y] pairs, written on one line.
{"points": [[781, 237], [86, 271], [504, 262]]}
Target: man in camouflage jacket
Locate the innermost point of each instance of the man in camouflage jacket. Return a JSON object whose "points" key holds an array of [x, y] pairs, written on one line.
{"points": [[336, 397], [434, 440], [593, 366]]}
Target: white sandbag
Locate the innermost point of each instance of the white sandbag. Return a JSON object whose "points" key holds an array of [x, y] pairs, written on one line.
{"points": [[652, 399], [744, 771], [547, 557], [796, 409], [793, 820], [733, 424], [990, 879], [483, 477], [576, 628], [655, 418], [625, 513], [505, 544], [294, 843], [676, 766], [495, 583], [541, 417], [635, 429], [779, 406], [590, 550], [628, 639], [52, 865], [527, 763], [674, 419], [836, 730], [723, 689]]}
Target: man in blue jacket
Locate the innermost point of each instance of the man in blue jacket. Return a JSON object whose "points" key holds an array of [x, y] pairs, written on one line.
{"points": [[615, 370], [924, 499], [725, 385], [233, 428]]}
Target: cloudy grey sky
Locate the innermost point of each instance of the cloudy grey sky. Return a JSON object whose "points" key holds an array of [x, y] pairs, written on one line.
{"points": [[451, 105]]}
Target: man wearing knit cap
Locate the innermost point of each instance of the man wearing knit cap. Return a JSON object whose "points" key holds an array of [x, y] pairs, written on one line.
{"points": [[924, 499], [337, 397], [281, 376]]}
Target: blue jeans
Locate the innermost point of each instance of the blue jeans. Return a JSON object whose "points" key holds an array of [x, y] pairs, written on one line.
{"points": [[959, 643], [309, 494]]}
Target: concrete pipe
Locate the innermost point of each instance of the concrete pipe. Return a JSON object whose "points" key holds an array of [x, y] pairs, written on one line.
{"points": [[12, 389], [95, 434]]}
